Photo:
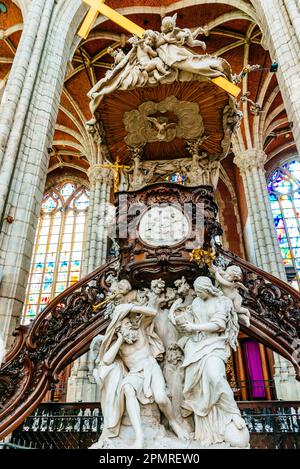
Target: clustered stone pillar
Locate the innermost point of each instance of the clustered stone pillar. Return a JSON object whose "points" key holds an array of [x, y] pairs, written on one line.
{"points": [[266, 248], [27, 119], [101, 180], [81, 384], [280, 23], [267, 253]]}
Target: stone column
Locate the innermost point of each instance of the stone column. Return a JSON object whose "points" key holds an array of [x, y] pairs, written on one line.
{"points": [[280, 23], [101, 181], [23, 163], [266, 249], [81, 384], [27, 119]]}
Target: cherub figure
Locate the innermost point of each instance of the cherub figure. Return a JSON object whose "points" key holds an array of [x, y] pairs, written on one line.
{"points": [[147, 56], [173, 35], [230, 281], [120, 290], [117, 54]]}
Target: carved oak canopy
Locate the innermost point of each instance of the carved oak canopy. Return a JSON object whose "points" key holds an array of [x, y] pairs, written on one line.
{"points": [[212, 102]]}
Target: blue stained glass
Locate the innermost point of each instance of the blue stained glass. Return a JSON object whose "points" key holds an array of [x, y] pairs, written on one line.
{"points": [[286, 253], [62, 223], [176, 178], [279, 222], [82, 202], [63, 266], [48, 278], [75, 266], [47, 287], [67, 190], [49, 205], [50, 267], [282, 186], [39, 266], [284, 243]]}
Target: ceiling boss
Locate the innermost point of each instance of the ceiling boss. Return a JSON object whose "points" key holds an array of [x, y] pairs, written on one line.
{"points": [[98, 6]]}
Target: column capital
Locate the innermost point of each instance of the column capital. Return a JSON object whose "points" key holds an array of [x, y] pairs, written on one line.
{"points": [[250, 159], [97, 172]]}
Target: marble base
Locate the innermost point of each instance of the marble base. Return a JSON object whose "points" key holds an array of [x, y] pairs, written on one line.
{"points": [[156, 435], [155, 438]]}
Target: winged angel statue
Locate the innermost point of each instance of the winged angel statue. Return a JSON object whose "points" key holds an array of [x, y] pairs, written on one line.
{"points": [[159, 57]]}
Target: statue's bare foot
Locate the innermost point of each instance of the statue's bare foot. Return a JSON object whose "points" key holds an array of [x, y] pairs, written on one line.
{"points": [[180, 431], [239, 422]]}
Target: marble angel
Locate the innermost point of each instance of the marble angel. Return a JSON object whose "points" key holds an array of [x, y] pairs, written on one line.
{"points": [[210, 328]]}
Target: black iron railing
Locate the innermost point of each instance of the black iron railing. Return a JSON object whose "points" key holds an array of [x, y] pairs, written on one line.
{"points": [[57, 426], [273, 425]]}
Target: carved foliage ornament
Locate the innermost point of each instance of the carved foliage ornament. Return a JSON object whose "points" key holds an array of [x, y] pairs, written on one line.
{"points": [[164, 121]]}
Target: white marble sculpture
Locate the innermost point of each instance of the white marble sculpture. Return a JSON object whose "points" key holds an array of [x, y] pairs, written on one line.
{"points": [[230, 281], [149, 122], [140, 177], [211, 328], [159, 57], [129, 374], [164, 354]]}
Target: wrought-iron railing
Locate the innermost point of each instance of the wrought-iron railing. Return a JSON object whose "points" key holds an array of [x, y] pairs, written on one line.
{"points": [[272, 425], [60, 426]]}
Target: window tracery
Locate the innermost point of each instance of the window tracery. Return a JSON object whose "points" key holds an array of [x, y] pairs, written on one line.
{"points": [[58, 247]]}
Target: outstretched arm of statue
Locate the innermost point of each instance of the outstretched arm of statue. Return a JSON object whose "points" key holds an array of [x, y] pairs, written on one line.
{"points": [[144, 310], [112, 352], [205, 327], [242, 286], [222, 280]]}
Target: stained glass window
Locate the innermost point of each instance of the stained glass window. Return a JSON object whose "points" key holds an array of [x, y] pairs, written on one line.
{"points": [[284, 192], [176, 178], [58, 247]]}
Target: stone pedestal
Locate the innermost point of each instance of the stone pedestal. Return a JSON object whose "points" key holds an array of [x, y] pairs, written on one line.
{"points": [[156, 435]]}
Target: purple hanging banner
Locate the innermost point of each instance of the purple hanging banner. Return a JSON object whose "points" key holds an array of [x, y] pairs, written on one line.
{"points": [[255, 369]]}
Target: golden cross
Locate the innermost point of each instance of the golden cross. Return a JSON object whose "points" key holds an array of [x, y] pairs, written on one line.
{"points": [[98, 6], [116, 168]]}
